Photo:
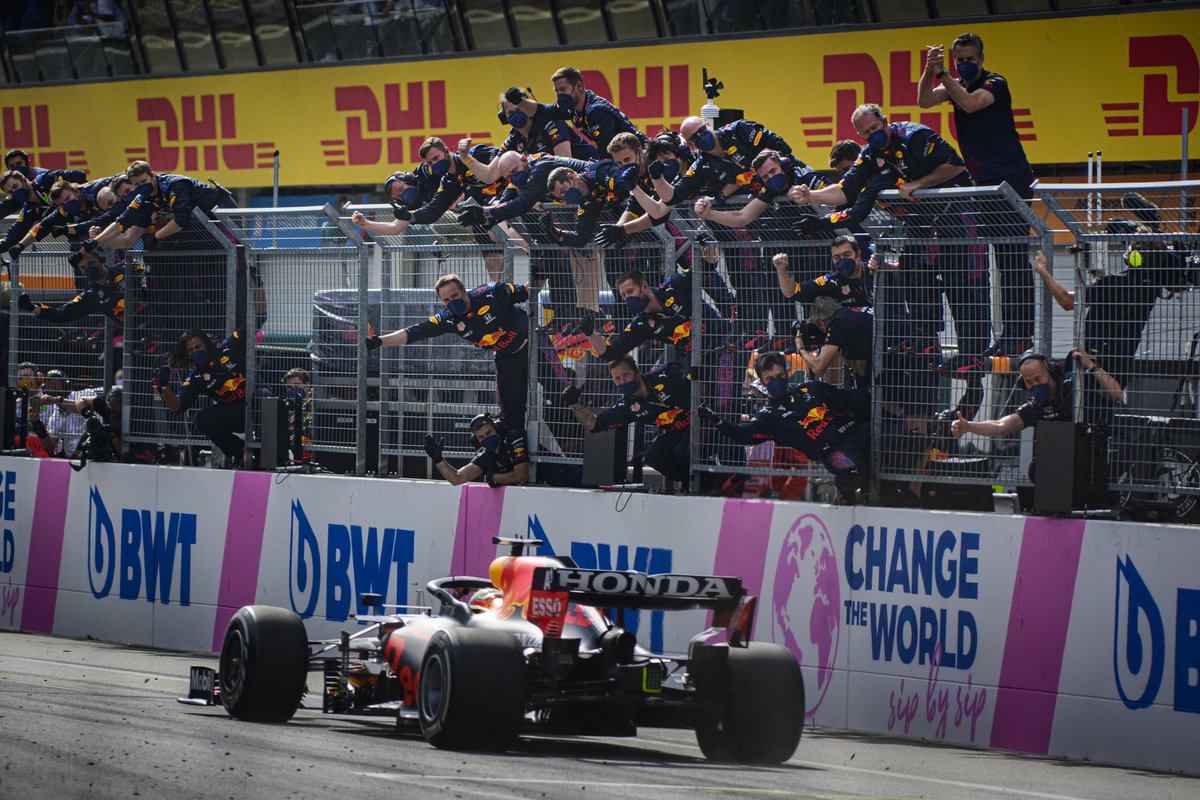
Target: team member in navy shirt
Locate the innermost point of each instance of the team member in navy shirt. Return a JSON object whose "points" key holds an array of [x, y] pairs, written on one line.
{"points": [[920, 159], [539, 128], [849, 332], [991, 147], [216, 370], [661, 397], [846, 282], [32, 196], [487, 317], [811, 417], [501, 456], [595, 117]]}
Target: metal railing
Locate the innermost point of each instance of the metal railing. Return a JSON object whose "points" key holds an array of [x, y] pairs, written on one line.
{"points": [[298, 281], [1137, 318]]}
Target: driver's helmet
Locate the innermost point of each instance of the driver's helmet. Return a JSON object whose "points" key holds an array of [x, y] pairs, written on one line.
{"points": [[489, 599]]}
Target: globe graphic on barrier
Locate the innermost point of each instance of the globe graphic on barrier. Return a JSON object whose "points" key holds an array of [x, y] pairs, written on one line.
{"points": [[806, 600]]}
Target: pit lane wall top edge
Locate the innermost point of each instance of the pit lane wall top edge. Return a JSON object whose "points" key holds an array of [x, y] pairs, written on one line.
{"points": [[1123, 94], [1048, 636]]}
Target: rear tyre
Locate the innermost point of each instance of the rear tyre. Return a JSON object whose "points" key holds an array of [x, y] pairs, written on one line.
{"points": [[762, 707], [264, 664], [471, 692]]}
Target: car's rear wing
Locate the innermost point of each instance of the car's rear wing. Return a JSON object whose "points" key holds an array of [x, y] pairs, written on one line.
{"points": [[628, 589]]}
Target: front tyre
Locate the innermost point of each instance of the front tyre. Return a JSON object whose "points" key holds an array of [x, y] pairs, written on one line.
{"points": [[264, 664], [761, 697], [471, 690]]}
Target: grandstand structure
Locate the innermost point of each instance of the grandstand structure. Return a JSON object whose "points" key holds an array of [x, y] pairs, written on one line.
{"points": [[167, 37]]}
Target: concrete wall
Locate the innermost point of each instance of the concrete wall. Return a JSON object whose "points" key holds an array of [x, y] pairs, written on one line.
{"points": [[1058, 637]]}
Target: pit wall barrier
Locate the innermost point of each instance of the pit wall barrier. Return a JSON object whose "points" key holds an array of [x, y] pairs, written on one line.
{"points": [[1058, 637]]}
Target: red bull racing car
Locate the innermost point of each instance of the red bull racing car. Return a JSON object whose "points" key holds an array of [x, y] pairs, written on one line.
{"points": [[527, 649]]}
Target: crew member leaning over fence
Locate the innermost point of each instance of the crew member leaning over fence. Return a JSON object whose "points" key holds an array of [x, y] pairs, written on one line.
{"points": [[488, 318]]}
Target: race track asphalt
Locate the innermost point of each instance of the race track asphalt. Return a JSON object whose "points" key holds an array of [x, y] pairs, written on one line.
{"points": [[84, 719]]}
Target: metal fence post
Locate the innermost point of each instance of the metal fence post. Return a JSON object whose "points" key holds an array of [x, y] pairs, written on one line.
{"points": [[365, 253], [694, 445]]}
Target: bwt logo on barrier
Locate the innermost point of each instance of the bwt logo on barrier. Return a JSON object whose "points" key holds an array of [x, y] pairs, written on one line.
{"points": [[357, 561], [8, 512], [650, 560], [903, 73], [1157, 114], [28, 127], [198, 119], [151, 548], [1140, 643]]}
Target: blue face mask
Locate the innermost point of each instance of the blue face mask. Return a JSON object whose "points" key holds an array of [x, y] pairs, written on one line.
{"points": [[94, 274], [968, 70], [71, 208], [635, 304], [706, 139], [566, 102], [1041, 393], [518, 119], [628, 175], [777, 387], [777, 183], [878, 139], [410, 196], [628, 390], [490, 443], [573, 197], [845, 267], [440, 168], [200, 358], [457, 306], [518, 179], [670, 170], [20, 195]]}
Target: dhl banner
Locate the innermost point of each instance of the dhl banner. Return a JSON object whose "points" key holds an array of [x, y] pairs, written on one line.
{"points": [[1116, 83]]}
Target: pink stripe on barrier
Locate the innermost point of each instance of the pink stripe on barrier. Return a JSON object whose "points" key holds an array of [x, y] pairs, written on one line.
{"points": [[45, 546], [742, 543], [243, 547], [479, 510], [1037, 634]]}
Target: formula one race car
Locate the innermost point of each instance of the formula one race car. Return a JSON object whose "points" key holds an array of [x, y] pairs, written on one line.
{"points": [[527, 650]]}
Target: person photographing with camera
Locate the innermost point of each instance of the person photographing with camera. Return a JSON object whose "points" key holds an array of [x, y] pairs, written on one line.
{"points": [[101, 440]]}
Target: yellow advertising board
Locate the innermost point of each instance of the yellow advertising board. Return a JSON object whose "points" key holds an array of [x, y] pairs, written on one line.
{"points": [[1117, 83]]}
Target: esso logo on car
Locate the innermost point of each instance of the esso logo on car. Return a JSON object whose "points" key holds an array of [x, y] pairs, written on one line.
{"points": [[546, 606]]}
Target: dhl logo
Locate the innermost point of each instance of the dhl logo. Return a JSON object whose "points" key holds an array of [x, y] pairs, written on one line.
{"points": [[903, 73], [197, 119], [28, 127], [654, 98], [1156, 114], [399, 123]]}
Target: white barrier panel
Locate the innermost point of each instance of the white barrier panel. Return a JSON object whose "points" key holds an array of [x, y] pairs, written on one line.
{"points": [[1048, 636]]}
